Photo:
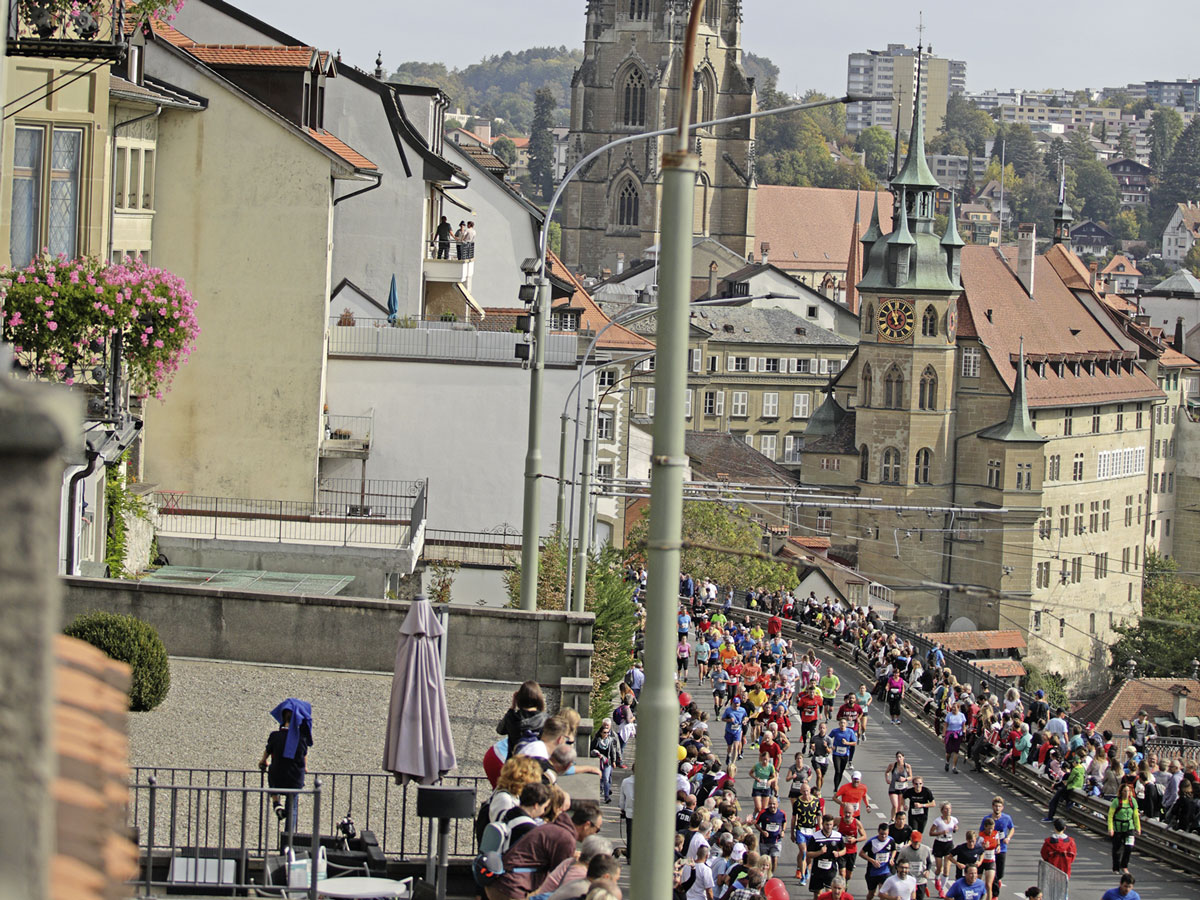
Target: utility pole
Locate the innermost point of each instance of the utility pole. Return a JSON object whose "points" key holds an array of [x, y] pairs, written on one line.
{"points": [[579, 601], [533, 455]]}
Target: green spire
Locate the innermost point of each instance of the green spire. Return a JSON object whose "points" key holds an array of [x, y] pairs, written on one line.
{"points": [[900, 233], [1018, 427], [826, 419], [951, 238], [916, 171], [872, 233]]}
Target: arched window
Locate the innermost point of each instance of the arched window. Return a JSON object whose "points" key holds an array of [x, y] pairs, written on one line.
{"points": [[867, 384], [635, 98], [704, 93], [928, 392], [712, 12], [639, 9], [864, 463], [893, 389], [921, 472], [628, 204], [929, 322], [889, 473], [868, 326]]}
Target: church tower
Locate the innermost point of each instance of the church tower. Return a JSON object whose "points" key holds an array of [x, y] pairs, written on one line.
{"points": [[901, 385], [629, 83]]}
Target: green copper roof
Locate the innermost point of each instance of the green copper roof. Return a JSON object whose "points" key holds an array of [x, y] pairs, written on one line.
{"points": [[872, 234], [900, 233], [1017, 428], [825, 420], [952, 238], [916, 171]]}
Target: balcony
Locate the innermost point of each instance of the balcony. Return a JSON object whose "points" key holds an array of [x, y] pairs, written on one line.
{"points": [[456, 341], [347, 437], [46, 28], [450, 262]]}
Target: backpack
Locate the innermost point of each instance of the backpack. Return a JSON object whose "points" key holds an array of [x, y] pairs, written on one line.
{"points": [[679, 892], [488, 864]]}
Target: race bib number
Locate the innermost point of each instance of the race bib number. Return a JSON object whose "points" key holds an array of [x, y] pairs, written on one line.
{"points": [[1129, 840], [821, 760], [772, 827], [988, 856], [825, 863], [841, 751]]}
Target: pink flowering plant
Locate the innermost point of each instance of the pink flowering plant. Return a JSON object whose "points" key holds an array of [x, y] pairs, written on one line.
{"points": [[60, 314], [53, 14]]}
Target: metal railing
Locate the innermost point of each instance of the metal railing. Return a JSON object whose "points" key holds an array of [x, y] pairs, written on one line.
{"points": [[476, 548], [353, 431], [1174, 748], [93, 31], [451, 250], [287, 521], [371, 496], [418, 339], [230, 811]]}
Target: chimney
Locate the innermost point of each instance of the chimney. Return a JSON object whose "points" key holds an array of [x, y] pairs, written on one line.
{"points": [[1093, 269], [765, 247], [1026, 244], [1177, 343], [620, 261], [712, 278], [1181, 698], [483, 131]]}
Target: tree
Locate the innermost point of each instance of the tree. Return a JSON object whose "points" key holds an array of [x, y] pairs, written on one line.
{"points": [[1165, 127], [1125, 226], [715, 524], [1098, 190], [1079, 147], [764, 72], [968, 123], [1163, 641], [1020, 149], [541, 143], [876, 146], [1053, 158], [1192, 260], [506, 150], [1180, 180], [1125, 145]]}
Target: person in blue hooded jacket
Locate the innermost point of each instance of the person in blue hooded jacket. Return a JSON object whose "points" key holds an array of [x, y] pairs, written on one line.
{"points": [[285, 758]]}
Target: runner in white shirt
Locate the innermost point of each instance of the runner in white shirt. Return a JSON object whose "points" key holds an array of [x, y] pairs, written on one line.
{"points": [[900, 886]]}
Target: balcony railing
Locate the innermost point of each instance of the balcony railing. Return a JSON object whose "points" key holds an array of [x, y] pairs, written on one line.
{"points": [[492, 549], [463, 250], [93, 30], [411, 339], [371, 496], [347, 436]]}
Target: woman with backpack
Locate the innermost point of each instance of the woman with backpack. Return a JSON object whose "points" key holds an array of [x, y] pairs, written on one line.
{"points": [[1124, 822]]}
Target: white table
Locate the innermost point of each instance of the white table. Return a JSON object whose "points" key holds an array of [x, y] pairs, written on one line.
{"points": [[360, 887]]}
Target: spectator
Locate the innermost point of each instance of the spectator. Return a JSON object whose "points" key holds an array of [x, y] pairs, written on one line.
{"points": [[625, 804], [1059, 848], [1069, 789], [1141, 731], [539, 852], [573, 872]]}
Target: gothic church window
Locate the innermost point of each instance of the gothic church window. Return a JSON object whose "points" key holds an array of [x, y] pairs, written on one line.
{"points": [[864, 463], [928, 391], [635, 99], [924, 458], [628, 203], [639, 9], [867, 384], [893, 389], [929, 322], [890, 471]]}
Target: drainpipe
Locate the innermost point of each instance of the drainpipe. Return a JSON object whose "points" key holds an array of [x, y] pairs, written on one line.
{"points": [[93, 458], [112, 206]]}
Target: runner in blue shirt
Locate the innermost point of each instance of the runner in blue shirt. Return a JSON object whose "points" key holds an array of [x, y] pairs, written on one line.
{"points": [[733, 717], [842, 738], [880, 853], [685, 624], [1005, 828], [970, 887], [1124, 891], [770, 823]]}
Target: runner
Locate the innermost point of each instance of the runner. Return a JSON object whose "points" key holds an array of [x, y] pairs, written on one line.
{"points": [[901, 886], [989, 841], [806, 819], [880, 854], [843, 740], [864, 701], [969, 887], [825, 849], [734, 717], [955, 723], [821, 751], [770, 823], [942, 830], [899, 777], [829, 684], [765, 781], [920, 801], [683, 652], [852, 832], [809, 705], [1005, 829]]}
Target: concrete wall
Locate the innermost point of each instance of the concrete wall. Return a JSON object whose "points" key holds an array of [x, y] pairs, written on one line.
{"points": [[330, 632], [462, 426], [244, 213]]}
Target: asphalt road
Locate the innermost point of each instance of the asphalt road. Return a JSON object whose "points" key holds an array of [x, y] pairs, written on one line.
{"points": [[969, 792]]}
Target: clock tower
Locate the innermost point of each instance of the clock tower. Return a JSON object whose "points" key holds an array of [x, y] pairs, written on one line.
{"points": [[901, 385]]}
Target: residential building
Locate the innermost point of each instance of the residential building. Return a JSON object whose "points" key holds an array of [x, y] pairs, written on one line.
{"points": [[629, 82], [979, 224], [1133, 181], [755, 373], [1182, 93], [987, 389], [1181, 233], [951, 170], [893, 72], [991, 99], [1173, 300], [1091, 239], [1120, 275]]}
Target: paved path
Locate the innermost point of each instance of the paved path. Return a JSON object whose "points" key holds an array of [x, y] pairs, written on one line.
{"points": [[970, 794]]}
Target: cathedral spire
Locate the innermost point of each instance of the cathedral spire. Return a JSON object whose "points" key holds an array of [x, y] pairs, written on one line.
{"points": [[1018, 427], [853, 266], [916, 172]]}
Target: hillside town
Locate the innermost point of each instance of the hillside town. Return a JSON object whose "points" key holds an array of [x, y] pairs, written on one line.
{"points": [[355, 414]]}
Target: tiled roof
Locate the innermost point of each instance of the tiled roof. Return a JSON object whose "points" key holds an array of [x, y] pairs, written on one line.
{"points": [[1115, 265], [483, 158], [1172, 358], [1182, 283], [1122, 703], [121, 88], [749, 325], [1189, 213], [268, 55], [93, 858], [811, 543], [592, 317], [1054, 323], [975, 641], [811, 228], [719, 452], [1001, 668], [332, 142]]}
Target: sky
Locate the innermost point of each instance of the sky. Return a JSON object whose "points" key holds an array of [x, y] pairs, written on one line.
{"points": [[1024, 44]]}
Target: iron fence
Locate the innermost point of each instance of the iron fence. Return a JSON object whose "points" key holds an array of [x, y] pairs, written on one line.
{"points": [[416, 339], [478, 548], [286, 521], [372, 496], [87, 31], [355, 430]]}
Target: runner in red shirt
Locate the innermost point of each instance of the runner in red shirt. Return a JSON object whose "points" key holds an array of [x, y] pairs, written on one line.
{"points": [[808, 704], [850, 711], [852, 832], [751, 673]]}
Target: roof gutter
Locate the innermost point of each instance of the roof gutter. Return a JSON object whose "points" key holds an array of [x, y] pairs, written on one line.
{"points": [[367, 189]]}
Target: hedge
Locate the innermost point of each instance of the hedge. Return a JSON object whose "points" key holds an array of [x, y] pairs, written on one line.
{"points": [[131, 641]]}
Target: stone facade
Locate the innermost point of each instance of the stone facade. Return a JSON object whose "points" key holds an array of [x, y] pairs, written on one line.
{"points": [[630, 83]]}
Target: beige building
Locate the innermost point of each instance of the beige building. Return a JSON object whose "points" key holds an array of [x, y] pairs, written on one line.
{"points": [[629, 83], [894, 72], [1001, 413]]}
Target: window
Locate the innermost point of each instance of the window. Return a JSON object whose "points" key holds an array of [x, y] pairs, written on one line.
{"points": [[695, 357], [1095, 420], [831, 464], [800, 401], [812, 312], [635, 98], [770, 364], [649, 401], [791, 448], [1121, 463], [1157, 450], [929, 326], [921, 473], [1044, 523], [994, 471], [639, 9], [1024, 476], [628, 204], [687, 405], [824, 521], [1128, 510], [890, 473], [1140, 412], [767, 444], [1094, 517], [893, 389], [1076, 575], [864, 463], [928, 392], [970, 362], [1092, 619], [867, 384], [604, 472], [45, 193], [1064, 521], [1101, 571], [710, 403], [1068, 423], [748, 438], [1155, 483], [1054, 468], [133, 187], [1166, 527], [738, 408], [1037, 615], [1121, 418], [770, 405], [802, 366], [712, 364], [1106, 515], [608, 378], [1170, 482], [1043, 581], [564, 321], [1077, 468], [740, 364], [604, 426], [1124, 561]]}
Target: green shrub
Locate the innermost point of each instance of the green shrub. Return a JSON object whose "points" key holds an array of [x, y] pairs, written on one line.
{"points": [[134, 642]]}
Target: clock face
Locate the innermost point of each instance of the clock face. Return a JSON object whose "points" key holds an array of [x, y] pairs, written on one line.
{"points": [[951, 324], [896, 320]]}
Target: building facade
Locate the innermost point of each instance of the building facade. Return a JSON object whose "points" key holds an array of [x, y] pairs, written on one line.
{"points": [[1181, 233], [894, 72], [629, 83]]}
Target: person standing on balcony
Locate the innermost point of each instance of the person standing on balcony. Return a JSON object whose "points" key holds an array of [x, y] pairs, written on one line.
{"points": [[460, 237], [469, 241], [287, 754], [444, 235]]}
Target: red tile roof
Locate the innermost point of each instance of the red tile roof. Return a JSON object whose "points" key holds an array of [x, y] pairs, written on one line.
{"points": [[269, 55], [1123, 702], [1115, 264], [810, 228], [1053, 323], [332, 142], [978, 640], [1002, 668], [811, 543], [618, 337]]}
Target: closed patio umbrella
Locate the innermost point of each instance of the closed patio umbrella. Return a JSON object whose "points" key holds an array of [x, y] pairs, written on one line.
{"points": [[419, 746], [393, 302]]}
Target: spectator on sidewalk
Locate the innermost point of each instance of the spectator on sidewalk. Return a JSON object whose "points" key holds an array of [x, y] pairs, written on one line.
{"points": [[1059, 848]]}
